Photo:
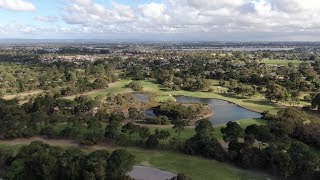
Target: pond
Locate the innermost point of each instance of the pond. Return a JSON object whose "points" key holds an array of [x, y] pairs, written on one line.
{"points": [[223, 111], [141, 97]]}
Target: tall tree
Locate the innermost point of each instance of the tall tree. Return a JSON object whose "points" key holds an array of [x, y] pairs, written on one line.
{"points": [[178, 126]]}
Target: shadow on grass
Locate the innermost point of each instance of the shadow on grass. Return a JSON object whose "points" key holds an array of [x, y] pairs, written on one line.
{"points": [[165, 90], [231, 96], [260, 102]]}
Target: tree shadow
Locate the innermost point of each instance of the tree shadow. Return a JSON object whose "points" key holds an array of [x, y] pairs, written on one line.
{"points": [[260, 102], [231, 96]]}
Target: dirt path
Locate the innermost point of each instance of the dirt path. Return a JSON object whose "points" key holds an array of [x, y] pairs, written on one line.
{"points": [[23, 94]]}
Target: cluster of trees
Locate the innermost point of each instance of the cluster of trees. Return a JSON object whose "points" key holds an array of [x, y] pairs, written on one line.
{"points": [[193, 72], [79, 119], [42, 161], [131, 133], [41, 115], [204, 144], [296, 124], [158, 120], [176, 110], [240, 89], [278, 151], [61, 78]]}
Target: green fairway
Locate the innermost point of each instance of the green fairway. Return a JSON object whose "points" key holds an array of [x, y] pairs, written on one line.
{"points": [[280, 61], [116, 87]]}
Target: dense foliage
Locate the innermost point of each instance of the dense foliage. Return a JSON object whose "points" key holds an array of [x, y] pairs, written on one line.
{"points": [[42, 161]]}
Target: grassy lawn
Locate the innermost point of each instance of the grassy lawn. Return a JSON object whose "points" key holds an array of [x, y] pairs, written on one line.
{"points": [[280, 61], [116, 87]]}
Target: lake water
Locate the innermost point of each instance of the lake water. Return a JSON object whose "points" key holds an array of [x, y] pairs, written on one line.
{"points": [[141, 97], [223, 111]]}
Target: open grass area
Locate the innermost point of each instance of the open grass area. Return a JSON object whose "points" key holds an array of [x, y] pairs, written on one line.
{"points": [[280, 61], [116, 87], [196, 167]]}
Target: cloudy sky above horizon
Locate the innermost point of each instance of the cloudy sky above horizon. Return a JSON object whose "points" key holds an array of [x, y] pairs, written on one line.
{"points": [[239, 20]]}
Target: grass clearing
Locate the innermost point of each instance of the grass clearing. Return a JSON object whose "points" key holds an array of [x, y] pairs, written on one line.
{"points": [[114, 88]]}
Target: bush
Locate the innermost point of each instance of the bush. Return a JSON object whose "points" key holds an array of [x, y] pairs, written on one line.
{"points": [[90, 139], [181, 176], [48, 131], [152, 141], [159, 120], [136, 86]]}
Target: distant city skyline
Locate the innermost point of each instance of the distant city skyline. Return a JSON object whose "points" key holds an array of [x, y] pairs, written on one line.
{"points": [[165, 20]]}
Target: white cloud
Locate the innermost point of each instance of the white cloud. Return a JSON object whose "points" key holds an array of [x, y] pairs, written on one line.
{"points": [[83, 2], [17, 5], [155, 12], [214, 17], [49, 19]]}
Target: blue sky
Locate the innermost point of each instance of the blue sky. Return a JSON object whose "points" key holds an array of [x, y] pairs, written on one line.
{"points": [[241, 20]]}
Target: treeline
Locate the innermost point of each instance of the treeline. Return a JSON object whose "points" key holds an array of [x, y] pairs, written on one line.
{"points": [[266, 147], [42, 161], [73, 50], [60, 78], [192, 72], [82, 119]]}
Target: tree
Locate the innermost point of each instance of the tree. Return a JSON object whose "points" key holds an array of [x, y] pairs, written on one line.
{"points": [[70, 162], [134, 114], [162, 134], [178, 126], [275, 92], [129, 128], [119, 163], [249, 140], [152, 141], [112, 128], [284, 163], [35, 161], [181, 176], [204, 128], [96, 165], [94, 123], [232, 132], [144, 132], [316, 101], [261, 133]]}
